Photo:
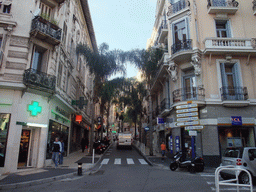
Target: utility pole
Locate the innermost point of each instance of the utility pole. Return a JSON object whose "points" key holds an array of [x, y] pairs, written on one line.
{"points": [[92, 120], [150, 126]]}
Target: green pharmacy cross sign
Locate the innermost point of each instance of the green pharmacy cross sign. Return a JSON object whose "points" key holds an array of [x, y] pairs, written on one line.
{"points": [[34, 108]]}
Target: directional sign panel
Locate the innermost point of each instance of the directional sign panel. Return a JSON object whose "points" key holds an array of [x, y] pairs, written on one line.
{"points": [[186, 106], [187, 119], [194, 127], [187, 114], [192, 133], [188, 123], [187, 110]]}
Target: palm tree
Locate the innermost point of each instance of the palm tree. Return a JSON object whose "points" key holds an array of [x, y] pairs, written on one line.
{"points": [[102, 64], [147, 62]]}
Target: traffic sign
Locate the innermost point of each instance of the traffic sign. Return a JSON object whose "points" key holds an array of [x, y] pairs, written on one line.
{"points": [[188, 123], [194, 127], [186, 106], [187, 119], [187, 110], [187, 114], [192, 133]]}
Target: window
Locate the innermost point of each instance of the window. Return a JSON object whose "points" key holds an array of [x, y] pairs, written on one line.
{"points": [[39, 60], [180, 32], [4, 126], [59, 75], [189, 85], [67, 82], [45, 10], [64, 34], [231, 85], [222, 29], [5, 6]]}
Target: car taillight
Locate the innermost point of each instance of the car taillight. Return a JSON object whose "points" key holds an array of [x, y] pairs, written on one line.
{"points": [[238, 162]]}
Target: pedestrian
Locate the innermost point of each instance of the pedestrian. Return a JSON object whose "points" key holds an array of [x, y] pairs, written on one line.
{"points": [[163, 148], [62, 152], [56, 151], [83, 143]]}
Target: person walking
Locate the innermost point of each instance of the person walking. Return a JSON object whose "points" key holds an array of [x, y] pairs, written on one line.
{"points": [[62, 151], [83, 143], [56, 151], [163, 149]]}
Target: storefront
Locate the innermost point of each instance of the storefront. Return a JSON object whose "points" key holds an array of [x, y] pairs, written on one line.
{"points": [[4, 126]]}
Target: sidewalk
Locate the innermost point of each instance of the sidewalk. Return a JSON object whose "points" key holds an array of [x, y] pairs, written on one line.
{"points": [[33, 176]]}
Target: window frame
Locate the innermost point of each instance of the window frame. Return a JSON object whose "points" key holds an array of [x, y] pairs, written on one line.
{"points": [[185, 19], [227, 28]]}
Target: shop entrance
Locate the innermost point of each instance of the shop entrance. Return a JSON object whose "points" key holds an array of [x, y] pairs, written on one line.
{"points": [[28, 148]]}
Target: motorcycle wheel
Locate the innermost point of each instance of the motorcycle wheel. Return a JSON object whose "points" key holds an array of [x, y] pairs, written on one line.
{"points": [[173, 166], [192, 169], [200, 169]]}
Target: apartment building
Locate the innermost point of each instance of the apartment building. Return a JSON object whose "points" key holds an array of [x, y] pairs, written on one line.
{"points": [[204, 93], [42, 79]]}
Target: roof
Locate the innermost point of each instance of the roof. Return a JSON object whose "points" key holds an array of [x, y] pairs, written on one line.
{"points": [[89, 24]]}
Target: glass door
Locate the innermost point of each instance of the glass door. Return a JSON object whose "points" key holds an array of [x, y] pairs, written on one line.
{"points": [[24, 148]]}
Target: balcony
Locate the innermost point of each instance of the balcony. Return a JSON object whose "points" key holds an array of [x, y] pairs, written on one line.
{"points": [[162, 31], [189, 93], [60, 1], [39, 80], [165, 106], [225, 45], [182, 46], [178, 7], [234, 96], [222, 6], [45, 31]]}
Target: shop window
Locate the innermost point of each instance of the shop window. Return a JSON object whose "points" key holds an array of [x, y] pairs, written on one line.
{"points": [[4, 126], [56, 130]]}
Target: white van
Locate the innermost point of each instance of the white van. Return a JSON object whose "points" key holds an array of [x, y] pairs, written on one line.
{"points": [[124, 140]]}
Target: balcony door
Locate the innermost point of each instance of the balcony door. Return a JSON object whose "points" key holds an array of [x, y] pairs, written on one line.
{"points": [[39, 60], [189, 87], [231, 88]]}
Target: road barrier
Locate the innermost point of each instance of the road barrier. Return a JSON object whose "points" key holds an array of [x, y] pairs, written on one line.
{"points": [[230, 182]]}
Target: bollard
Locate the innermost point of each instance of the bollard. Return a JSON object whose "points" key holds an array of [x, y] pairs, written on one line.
{"points": [[79, 170]]}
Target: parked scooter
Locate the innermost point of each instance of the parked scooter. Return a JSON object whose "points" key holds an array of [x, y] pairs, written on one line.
{"points": [[194, 165], [99, 147]]}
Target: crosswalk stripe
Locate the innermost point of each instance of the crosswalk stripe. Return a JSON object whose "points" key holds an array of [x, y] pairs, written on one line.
{"points": [[142, 161], [130, 161], [117, 161], [105, 161]]}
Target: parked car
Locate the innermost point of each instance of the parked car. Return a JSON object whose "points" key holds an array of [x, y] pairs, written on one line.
{"points": [[242, 157]]}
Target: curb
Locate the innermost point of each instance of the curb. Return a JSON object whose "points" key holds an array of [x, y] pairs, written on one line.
{"points": [[143, 155], [51, 179]]}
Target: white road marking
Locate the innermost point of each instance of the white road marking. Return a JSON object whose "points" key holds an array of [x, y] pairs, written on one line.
{"points": [[105, 161], [117, 161], [130, 161], [143, 162]]}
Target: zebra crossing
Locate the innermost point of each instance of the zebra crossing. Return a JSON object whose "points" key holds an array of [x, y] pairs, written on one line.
{"points": [[210, 179], [121, 161]]}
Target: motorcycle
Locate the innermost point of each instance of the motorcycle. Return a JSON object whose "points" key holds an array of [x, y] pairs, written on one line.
{"points": [[194, 165], [99, 147]]}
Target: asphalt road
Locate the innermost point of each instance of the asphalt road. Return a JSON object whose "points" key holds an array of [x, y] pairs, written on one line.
{"points": [[126, 171]]}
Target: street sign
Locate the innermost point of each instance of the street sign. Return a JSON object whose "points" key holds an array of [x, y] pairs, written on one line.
{"points": [[146, 128], [160, 120], [186, 106], [188, 123], [194, 127], [192, 133], [187, 119], [187, 110], [187, 114]]}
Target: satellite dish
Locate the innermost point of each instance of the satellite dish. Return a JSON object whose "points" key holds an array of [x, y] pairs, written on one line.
{"points": [[37, 12]]}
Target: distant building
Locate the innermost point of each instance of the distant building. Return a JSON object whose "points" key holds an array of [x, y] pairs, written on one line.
{"points": [[42, 78], [205, 88]]}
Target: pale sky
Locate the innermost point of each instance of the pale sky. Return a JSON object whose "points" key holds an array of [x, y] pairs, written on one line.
{"points": [[123, 24]]}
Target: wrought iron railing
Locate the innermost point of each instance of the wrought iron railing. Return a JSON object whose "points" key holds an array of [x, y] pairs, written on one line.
{"points": [[178, 6], [182, 45], [46, 27], [222, 3], [165, 104], [39, 80], [234, 93], [188, 93]]}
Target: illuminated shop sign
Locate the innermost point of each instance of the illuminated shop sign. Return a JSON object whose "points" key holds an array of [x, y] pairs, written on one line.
{"points": [[34, 108]]}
